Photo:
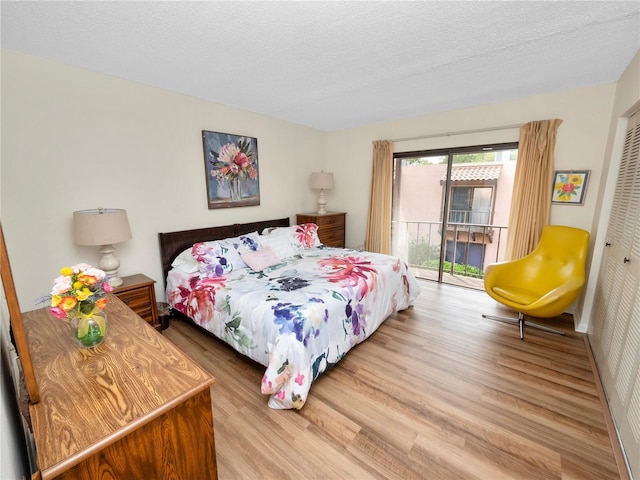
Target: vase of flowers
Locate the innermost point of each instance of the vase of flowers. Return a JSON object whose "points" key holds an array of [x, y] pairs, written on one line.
{"points": [[89, 330], [79, 297]]}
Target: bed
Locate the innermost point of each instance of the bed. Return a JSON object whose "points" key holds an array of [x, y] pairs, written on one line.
{"points": [[275, 294]]}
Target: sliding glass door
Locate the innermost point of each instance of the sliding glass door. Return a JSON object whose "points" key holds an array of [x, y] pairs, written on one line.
{"points": [[451, 209]]}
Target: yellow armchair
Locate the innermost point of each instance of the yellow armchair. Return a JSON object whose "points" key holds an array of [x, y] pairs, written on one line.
{"points": [[543, 283]]}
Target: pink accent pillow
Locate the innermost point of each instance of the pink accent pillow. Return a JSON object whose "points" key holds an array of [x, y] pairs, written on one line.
{"points": [[260, 259]]}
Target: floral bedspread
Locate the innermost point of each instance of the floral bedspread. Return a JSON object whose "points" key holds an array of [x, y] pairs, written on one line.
{"points": [[299, 317]]}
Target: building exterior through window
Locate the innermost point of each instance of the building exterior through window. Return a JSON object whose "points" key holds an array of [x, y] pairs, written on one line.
{"points": [[464, 193]]}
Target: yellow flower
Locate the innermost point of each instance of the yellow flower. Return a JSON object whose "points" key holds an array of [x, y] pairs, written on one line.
{"points": [[55, 300], [575, 179], [83, 294], [66, 271], [560, 186]]}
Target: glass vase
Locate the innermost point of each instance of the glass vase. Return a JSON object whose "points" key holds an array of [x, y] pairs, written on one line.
{"points": [[89, 330], [235, 187]]}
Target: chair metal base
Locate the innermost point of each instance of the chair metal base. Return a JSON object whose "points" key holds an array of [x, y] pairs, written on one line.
{"points": [[521, 323]]}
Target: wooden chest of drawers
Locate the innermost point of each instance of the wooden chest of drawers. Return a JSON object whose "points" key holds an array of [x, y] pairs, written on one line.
{"points": [[134, 407], [138, 293], [331, 225]]}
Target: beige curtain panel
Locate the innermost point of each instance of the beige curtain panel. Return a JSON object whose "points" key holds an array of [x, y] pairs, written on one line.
{"points": [[379, 224], [532, 188]]}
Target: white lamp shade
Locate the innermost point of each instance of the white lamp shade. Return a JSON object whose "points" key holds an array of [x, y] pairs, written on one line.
{"points": [[322, 180], [103, 226]]}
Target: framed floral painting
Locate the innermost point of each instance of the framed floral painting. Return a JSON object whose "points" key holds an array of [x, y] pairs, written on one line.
{"points": [[569, 186], [231, 169]]}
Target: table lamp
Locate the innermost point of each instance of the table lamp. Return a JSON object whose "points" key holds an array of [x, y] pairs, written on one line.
{"points": [[103, 226], [322, 181]]}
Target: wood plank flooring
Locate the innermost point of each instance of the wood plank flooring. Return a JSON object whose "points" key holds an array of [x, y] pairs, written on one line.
{"points": [[437, 392]]}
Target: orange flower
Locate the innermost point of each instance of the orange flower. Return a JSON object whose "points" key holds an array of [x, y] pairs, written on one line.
{"points": [[68, 303], [87, 279]]}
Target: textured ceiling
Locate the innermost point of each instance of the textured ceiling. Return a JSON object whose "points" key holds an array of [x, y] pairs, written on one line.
{"points": [[337, 64]]}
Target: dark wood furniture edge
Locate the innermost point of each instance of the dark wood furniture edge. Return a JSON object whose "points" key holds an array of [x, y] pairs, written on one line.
{"points": [[173, 243], [15, 318]]}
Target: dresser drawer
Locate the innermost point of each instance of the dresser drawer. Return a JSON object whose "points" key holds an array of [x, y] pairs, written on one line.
{"points": [[331, 237], [328, 221], [138, 293], [136, 299], [139, 301], [146, 314]]}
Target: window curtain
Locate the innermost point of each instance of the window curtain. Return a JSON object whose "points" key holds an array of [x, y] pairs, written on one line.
{"points": [[379, 224], [532, 187]]}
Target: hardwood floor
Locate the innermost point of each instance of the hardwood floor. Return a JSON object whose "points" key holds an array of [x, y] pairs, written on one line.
{"points": [[437, 392]]}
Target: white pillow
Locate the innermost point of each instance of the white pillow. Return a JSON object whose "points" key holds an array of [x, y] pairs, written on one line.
{"points": [[280, 245], [243, 243], [300, 236], [185, 262], [216, 258], [260, 259]]}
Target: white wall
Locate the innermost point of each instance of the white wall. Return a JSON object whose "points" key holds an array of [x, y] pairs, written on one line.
{"points": [[73, 139]]}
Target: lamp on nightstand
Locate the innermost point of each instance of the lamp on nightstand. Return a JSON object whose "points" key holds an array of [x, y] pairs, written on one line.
{"points": [[103, 226], [322, 181]]}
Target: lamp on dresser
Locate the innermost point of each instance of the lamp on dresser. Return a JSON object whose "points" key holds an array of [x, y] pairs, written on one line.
{"points": [[105, 227], [322, 181]]}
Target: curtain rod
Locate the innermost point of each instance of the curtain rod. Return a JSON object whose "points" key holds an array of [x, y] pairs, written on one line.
{"points": [[462, 132]]}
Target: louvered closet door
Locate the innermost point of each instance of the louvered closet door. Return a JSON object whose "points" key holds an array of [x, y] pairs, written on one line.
{"points": [[616, 341]]}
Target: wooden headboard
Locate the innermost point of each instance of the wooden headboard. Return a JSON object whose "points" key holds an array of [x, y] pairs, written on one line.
{"points": [[173, 243]]}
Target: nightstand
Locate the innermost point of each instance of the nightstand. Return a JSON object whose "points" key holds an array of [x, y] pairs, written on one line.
{"points": [[331, 227], [138, 293]]}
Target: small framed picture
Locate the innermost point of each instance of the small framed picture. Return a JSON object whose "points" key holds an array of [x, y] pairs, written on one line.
{"points": [[569, 186]]}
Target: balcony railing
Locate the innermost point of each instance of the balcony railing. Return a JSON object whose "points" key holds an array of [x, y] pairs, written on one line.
{"points": [[469, 216], [469, 247]]}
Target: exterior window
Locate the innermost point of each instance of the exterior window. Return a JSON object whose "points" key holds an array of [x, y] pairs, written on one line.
{"points": [[470, 205]]}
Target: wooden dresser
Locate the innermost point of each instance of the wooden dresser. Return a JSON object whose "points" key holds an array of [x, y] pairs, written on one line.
{"points": [[331, 227], [134, 407]]}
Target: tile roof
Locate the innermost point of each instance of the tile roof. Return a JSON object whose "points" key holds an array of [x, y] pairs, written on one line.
{"points": [[475, 171]]}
